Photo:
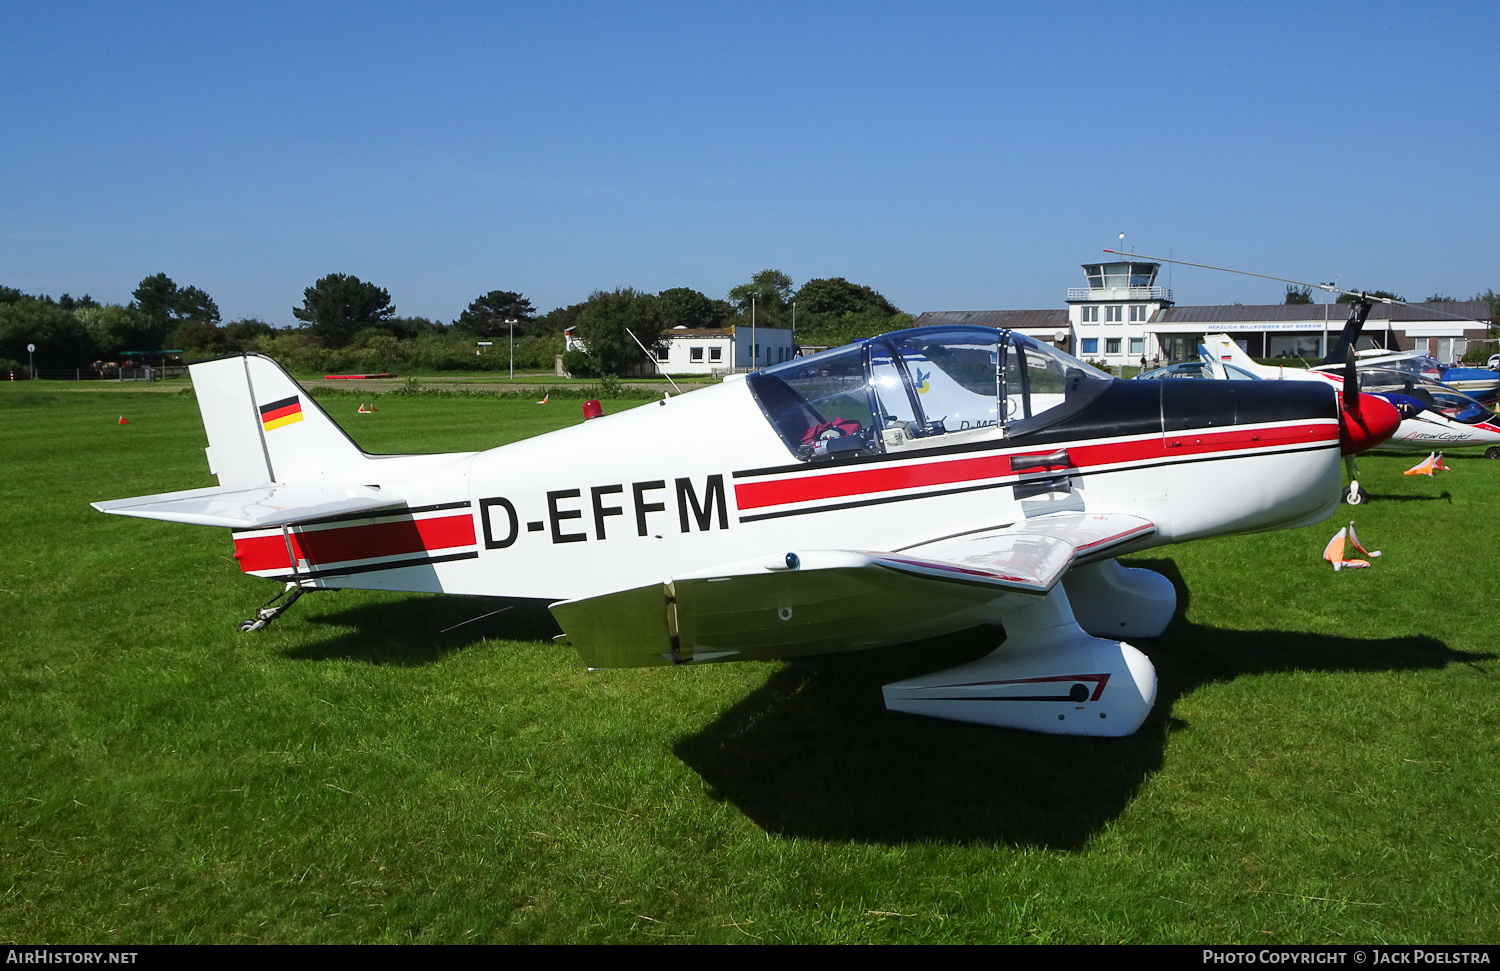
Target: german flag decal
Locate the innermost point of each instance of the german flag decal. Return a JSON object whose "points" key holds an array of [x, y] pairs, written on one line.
{"points": [[279, 413]]}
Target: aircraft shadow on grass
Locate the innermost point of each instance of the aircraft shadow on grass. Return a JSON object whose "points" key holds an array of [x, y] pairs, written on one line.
{"points": [[1444, 496], [813, 752], [422, 629]]}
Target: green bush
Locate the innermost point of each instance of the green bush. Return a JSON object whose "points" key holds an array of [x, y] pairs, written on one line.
{"points": [[579, 365]]}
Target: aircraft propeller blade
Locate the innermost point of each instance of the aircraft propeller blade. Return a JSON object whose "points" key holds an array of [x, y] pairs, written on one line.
{"points": [[1351, 382]]}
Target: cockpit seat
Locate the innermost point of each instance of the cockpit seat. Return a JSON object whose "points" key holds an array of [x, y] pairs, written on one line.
{"points": [[834, 437]]}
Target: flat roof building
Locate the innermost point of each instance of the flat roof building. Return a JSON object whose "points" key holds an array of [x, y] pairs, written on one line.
{"points": [[709, 350]]}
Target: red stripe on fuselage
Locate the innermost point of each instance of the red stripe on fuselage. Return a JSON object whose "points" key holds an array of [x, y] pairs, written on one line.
{"points": [[805, 487], [345, 543]]}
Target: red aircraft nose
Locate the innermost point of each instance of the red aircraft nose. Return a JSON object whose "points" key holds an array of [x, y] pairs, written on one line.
{"points": [[1369, 423]]}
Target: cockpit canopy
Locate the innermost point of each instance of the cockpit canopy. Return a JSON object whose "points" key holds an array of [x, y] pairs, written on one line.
{"points": [[1400, 385], [921, 388], [1414, 363]]}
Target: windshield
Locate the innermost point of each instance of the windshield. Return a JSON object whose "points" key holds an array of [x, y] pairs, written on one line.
{"points": [[920, 388], [1459, 407], [1416, 365]]}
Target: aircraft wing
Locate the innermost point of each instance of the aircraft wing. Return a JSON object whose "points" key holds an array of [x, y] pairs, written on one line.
{"points": [[819, 601], [255, 508], [1030, 555]]}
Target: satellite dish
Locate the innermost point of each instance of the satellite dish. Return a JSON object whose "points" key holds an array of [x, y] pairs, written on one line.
{"points": [[1059, 335]]}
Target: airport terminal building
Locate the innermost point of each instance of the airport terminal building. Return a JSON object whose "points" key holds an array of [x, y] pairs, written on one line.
{"points": [[1122, 316]]}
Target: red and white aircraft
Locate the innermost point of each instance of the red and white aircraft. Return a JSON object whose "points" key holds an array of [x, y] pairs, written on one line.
{"points": [[1446, 419], [903, 487]]}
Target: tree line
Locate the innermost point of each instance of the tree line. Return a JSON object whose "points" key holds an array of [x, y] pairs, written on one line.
{"points": [[345, 323]]}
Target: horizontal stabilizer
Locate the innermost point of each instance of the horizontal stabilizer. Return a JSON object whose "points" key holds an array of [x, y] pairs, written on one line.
{"points": [[255, 508]]}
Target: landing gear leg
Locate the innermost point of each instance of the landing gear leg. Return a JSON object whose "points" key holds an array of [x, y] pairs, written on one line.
{"points": [[1355, 495], [1048, 675], [267, 613]]}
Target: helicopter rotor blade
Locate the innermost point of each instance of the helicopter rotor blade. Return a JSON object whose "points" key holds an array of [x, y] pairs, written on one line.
{"points": [[1327, 287], [1264, 276]]}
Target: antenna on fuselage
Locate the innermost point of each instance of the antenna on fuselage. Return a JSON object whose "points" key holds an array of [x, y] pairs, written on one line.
{"points": [[652, 359]]}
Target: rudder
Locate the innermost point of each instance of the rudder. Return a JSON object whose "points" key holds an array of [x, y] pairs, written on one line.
{"points": [[263, 427]]}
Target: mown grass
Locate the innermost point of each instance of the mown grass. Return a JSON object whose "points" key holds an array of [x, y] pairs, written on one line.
{"points": [[1321, 765]]}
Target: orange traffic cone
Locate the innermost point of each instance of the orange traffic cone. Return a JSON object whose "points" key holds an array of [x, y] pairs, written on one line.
{"points": [[544, 398], [1427, 466], [1354, 539], [1334, 552], [122, 421]]}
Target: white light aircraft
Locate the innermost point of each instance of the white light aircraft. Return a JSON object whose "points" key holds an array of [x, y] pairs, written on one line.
{"points": [[903, 487]]}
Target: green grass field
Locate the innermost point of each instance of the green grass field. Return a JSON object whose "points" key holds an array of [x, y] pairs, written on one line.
{"points": [[1323, 764]]}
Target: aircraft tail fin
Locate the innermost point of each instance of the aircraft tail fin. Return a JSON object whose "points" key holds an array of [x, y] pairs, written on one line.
{"points": [[263, 427], [1218, 348]]}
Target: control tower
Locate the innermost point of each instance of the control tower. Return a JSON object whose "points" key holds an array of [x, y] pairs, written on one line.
{"points": [[1110, 316]]}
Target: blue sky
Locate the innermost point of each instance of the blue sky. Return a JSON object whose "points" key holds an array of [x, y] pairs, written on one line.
{"points": [[950, 155]]}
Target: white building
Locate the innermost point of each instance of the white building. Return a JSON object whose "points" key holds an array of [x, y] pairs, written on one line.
{"points": [[705, 350], [1122, 316]]}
